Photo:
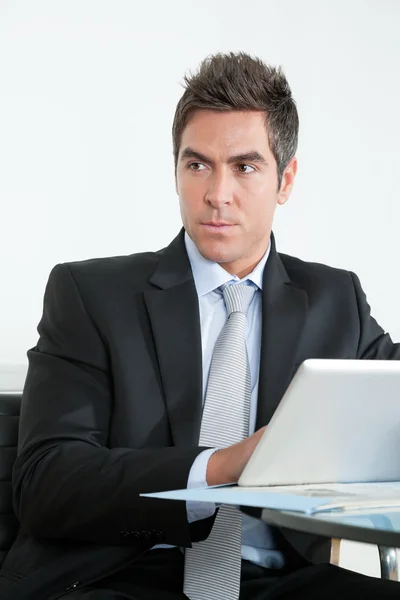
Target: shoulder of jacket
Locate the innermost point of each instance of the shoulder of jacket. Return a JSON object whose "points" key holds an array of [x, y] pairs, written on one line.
{"points": [[135, 268], [300, 271]]}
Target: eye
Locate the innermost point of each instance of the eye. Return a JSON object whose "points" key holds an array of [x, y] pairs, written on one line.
{"points": [[194, 166], [242, 166]]}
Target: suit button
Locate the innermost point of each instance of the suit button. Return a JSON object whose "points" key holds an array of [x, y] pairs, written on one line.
{"points": [[158, 535], [125, 534], [135, 535], [145, 535], [73, 586]]}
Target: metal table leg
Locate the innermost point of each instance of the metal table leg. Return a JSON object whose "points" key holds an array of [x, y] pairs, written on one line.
{"points": [[389, 563]]}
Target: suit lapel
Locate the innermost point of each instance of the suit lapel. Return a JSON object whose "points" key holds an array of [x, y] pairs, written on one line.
{"points": [[284, 309], [174, 315]]}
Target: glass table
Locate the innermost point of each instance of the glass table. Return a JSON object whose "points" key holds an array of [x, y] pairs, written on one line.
{"points": [[372, 527], [380, 527]]}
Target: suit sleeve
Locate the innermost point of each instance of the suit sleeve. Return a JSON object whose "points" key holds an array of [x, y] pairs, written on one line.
{"points": [[374, 343], [66, 482]]}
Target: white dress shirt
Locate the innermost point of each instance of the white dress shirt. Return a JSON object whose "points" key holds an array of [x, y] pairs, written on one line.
{"points": [[258, 544]]}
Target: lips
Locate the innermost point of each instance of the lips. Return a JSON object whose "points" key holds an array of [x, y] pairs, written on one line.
{"points": [[218, 227], [218, 224]]}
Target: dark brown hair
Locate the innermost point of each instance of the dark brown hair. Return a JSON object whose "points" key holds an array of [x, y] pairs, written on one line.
{"points": [[237, 81]]}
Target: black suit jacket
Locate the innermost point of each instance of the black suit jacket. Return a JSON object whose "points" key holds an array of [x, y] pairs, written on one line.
{"points": [[112, 404]]}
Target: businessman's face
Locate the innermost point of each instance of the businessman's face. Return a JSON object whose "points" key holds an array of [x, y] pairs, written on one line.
{"points": [[227, 184]]}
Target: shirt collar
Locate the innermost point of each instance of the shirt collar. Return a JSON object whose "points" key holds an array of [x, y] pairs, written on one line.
{"points": [[208, 275]]}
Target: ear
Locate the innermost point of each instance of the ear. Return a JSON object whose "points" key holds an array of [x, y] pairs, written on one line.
{"points": [[287, 183], [176, 181]]}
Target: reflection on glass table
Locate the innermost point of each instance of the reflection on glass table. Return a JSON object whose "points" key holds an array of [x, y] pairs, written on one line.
{"points": [[380, 527]]}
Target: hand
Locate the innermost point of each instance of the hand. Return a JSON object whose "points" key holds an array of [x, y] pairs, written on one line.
{"points": [[227, 465]]}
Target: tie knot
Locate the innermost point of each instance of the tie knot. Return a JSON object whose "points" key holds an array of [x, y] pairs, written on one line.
{"points": [[237, 297]]}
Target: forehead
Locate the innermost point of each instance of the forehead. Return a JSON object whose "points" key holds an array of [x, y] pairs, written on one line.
{"points": [[226, 132]]}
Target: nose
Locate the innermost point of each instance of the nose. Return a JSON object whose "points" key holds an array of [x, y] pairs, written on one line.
{"points": [[219, 192]]}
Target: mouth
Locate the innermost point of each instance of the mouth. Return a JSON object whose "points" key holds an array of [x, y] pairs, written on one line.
{"points": [[218, 226]]}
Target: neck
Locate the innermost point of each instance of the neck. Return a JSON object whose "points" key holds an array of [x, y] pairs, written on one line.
{"points": [[239, 271], [243, 267]]}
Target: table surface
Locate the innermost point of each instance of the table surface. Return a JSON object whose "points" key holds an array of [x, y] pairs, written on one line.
{"points": [[381, 528]]}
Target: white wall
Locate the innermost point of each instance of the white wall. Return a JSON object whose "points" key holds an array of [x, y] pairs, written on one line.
{"points": [[87, 96]]}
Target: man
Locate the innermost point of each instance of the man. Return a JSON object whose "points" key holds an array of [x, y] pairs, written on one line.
{"points": [[159, 370]]}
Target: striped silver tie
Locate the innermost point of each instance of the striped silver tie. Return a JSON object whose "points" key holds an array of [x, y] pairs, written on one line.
{"points": [[212, 567]]}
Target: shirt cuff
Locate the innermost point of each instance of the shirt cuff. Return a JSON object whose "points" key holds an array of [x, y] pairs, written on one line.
{"points": [[197, 478]]}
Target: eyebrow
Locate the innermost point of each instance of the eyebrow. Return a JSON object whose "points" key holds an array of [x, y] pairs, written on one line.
{"points": [[252, 156]]}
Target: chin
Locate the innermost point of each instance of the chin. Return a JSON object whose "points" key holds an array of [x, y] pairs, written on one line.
{"points": [[217, 252]]}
